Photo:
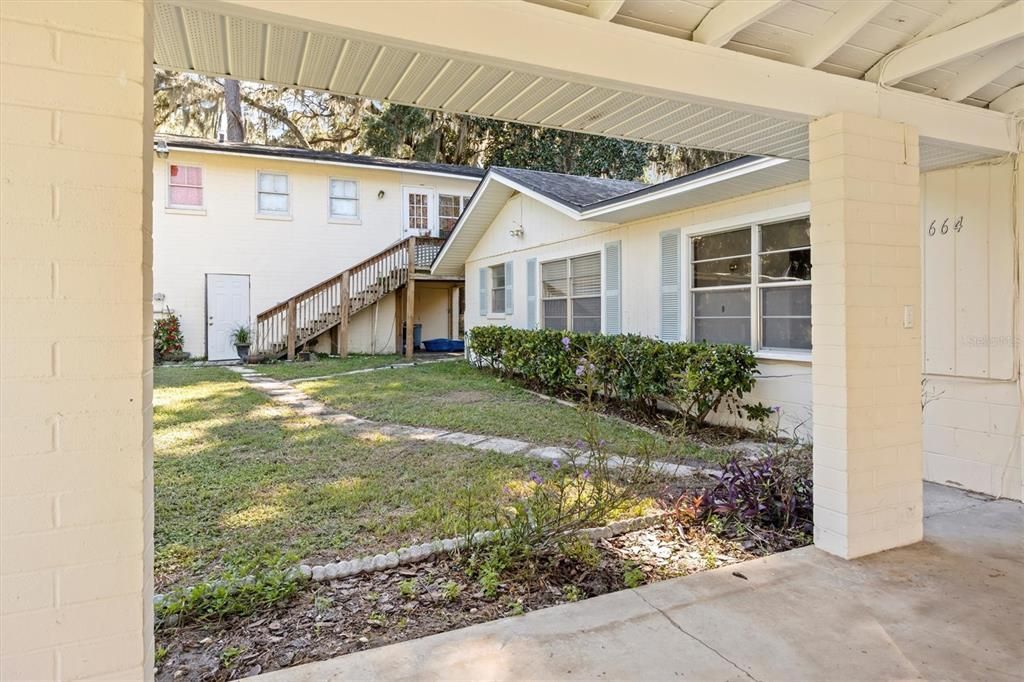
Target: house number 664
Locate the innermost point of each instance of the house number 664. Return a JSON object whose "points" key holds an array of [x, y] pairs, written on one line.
{"points": [[944, 228]]}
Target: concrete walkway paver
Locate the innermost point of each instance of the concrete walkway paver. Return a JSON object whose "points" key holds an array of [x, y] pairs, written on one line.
{"points": [[288, 394], [951, 607]]}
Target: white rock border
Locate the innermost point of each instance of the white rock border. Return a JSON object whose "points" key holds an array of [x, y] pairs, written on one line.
{"points": [[416, 553], [426, 550]]}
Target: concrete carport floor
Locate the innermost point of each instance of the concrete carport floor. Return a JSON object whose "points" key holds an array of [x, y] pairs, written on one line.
{"points": [[951, 607]]}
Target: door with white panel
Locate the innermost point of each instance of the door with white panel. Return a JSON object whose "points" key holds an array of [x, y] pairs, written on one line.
{"points": [[419, 211], [227, 308]]}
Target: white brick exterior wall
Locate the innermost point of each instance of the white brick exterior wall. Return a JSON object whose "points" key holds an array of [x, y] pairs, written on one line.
{"points": [[75, 442], [865, 232]]}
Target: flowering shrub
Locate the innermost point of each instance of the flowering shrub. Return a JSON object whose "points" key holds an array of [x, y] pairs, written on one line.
{"points": [[167, 336], [635, 370]]}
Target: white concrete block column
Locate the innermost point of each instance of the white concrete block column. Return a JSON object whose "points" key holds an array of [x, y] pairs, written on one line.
{"points": [[866, 370], [75, 340]]}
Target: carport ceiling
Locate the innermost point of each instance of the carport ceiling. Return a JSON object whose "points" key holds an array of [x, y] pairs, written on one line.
{"points": [[248, 41]]}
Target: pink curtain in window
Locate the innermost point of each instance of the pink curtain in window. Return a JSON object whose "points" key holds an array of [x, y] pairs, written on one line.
{"points": [[186, 196]]}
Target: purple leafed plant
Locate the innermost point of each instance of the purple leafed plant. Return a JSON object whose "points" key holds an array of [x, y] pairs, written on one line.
{"points": [[762, 493]]}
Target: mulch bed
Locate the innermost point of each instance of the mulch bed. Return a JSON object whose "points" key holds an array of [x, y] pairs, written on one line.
{"points": [[342, 616]]}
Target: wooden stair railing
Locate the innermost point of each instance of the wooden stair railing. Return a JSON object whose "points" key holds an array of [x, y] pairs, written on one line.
{"points": [[280, 330]]}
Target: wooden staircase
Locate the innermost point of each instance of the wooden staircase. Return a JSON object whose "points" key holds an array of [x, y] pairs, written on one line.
{"points": [[280, 330]]}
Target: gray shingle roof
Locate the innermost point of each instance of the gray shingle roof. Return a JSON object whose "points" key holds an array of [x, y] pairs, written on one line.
{"points": [[575, 191], [183, 142]]}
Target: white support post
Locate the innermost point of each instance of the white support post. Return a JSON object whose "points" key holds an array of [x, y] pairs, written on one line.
{"points": [[866, 357]]}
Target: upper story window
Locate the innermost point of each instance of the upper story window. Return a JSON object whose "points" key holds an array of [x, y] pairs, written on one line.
{"points": [[571, 293], [272, 195], [450, 207], [761, 274], [344, 199], [185, 187]]}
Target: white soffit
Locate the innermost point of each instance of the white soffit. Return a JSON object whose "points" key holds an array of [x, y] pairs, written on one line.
{"points": [[221, 38]]}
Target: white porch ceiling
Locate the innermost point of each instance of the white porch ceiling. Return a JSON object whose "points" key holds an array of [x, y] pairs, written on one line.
{"points": [[242, 40]]}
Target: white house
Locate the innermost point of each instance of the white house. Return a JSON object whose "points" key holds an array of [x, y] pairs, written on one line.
{"points": [[725, 255], [240, 228]]}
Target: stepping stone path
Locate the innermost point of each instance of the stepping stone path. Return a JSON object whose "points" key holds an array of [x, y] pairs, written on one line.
{"points": [[287, 394]]}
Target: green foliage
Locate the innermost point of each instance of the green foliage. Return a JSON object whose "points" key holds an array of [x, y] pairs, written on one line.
{"points": [[632, 576], [407, 588], [237, 592], [229, 655], [452, 590], [516, 608], [635, 370], [573, 593], [580, 550], [167, 336], [241, 336]]}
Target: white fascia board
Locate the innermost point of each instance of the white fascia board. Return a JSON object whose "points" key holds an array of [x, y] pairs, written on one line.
{"points": [[322, 162], [572, 47], [682, 188]]}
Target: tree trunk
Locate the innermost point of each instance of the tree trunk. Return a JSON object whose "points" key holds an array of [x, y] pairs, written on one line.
{"points": [[233, 107]]}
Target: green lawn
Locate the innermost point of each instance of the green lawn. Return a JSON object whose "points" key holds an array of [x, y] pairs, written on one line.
{"points": [[460, 397], [299, 370], [239, 478]]}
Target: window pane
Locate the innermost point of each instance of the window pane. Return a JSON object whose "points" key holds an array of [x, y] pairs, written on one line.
{"points": [[722, 272], [344, 208], [498, 276], [343, 189], [787, 332], [555, 312], [586, 314], [786, 317], [722, 330], [554, 276], [786, 235], [498, 300], [786, 301], [266, 182], [273, 203], [721, 303], [722, 244], [786, 266], [186, 196], [281, 184], [586, 275]]}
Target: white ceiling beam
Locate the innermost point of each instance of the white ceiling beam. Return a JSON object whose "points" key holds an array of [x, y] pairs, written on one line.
{"points": [[603, 10], [729, 18], [977, 35], [984, 70], [574, 48], [1011, 101], [956, 13], [842, 26]]}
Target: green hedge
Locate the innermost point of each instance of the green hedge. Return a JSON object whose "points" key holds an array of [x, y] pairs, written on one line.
{"points": [[635, 370]]}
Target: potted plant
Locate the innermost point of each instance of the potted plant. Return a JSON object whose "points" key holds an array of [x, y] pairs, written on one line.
{"points": [[242, 338]]}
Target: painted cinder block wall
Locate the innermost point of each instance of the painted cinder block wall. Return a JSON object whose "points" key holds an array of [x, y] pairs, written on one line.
{"points": [[972, 409], [75, 424], [281, 256]]}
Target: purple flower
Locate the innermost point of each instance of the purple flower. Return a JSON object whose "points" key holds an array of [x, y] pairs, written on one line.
{"points": [[506, 490], [536, 478], [586, 474], [602, 443], [565, 342], [580, 445], [776, 408], [579, 370], [555, 464]]}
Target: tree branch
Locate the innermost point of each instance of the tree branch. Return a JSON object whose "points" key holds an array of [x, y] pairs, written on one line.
{"points": [[278, 115]]}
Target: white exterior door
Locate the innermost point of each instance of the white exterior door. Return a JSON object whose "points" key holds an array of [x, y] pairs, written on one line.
{"points": [[227, 308], [419, 211]]}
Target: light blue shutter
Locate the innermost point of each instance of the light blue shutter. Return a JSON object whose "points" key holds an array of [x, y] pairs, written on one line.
{"points": [[508, 287], [613, 288], [531, 293], [484, 282], [671, 279]]}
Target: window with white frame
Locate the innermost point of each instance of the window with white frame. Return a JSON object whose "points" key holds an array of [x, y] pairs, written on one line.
{"points": [[185, 187], [449, 208], [418, 212], [760, 273], [498, 288], [344, 199], [571, 293], [272, 194]]}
